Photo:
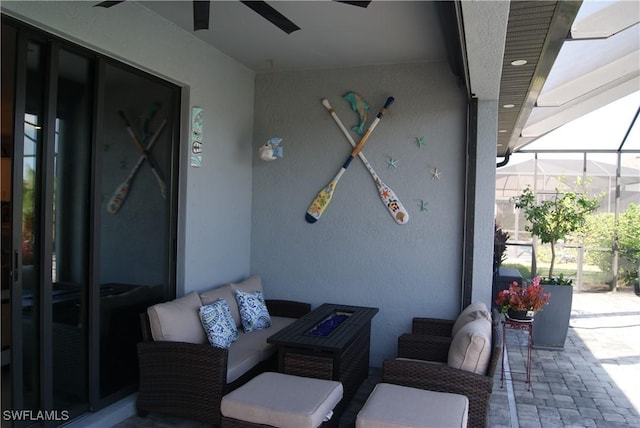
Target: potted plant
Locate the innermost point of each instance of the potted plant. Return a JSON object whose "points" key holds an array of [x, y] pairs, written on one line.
{"points": [[522, 302], [502, 277], [551, 221], [500, 239]]}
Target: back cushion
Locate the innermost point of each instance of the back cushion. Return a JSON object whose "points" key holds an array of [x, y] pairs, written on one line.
{"points": [[249, 285], [177, 320], [228, 294], [472, 312], [470, 348]]}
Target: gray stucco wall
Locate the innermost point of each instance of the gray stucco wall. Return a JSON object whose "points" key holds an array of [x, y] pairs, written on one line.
{"points": [[356, 254], [484, 209]]}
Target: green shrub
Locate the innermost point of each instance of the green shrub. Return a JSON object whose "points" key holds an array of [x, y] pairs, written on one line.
{"points": [[599, 231], [629, 244]]}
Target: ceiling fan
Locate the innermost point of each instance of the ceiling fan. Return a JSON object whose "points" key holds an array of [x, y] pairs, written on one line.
{"points": [[262, 8]]}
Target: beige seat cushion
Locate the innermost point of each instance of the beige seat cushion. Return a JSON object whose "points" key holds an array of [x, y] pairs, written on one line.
{"points": [[177, 320], [472, 312], [225, 292], [252, 348], [470, 349], [281, 400], [395, 406]]}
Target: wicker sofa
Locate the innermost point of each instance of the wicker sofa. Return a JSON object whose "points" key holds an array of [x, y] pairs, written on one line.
{"points": [[188, 378], [424, 362]]}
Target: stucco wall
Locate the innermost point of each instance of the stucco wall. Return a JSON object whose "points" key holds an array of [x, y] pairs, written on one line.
{"points": [[215, 200], [356, 254], [484, 209]]}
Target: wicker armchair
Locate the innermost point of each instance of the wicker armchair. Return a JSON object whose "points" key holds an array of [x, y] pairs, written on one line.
{"points": [[189, 380], [429, 341]]}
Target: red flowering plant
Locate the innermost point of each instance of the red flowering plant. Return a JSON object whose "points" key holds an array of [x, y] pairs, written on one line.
{"points": [[523, 297]]}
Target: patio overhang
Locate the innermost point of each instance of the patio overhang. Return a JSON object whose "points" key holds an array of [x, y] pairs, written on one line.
{"points": [[580, 56]]}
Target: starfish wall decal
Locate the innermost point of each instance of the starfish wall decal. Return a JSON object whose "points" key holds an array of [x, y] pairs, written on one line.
{"points": [[420, 142], [435, 174], [392, 163]]}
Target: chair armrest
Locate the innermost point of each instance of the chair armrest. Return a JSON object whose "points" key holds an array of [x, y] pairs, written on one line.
{"points": [[432, 326], [182, 379], [424, 347], [437, 377], [287, 308]]}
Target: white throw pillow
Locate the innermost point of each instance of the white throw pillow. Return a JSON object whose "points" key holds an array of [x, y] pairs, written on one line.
{"points": [[218, 324], [228, 294], [253, 311]]}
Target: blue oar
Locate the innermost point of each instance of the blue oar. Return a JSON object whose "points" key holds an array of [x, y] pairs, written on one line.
{"points": [[323, 197]]}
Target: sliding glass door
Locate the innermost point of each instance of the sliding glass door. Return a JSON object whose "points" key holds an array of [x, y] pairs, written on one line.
{"points": [[89, 209]]}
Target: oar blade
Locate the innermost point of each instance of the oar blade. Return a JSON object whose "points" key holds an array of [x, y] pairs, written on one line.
{"points": [[320, 203], [393, 204], [118, 198]]}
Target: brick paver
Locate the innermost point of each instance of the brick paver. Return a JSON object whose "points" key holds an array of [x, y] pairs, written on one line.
{"points": [[593, 382]]}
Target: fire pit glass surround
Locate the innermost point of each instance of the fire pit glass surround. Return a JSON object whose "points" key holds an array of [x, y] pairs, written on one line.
{"points": [[329, 324]]}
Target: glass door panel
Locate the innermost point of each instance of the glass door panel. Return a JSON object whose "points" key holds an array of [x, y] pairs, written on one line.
{"points": [[70, 231], [135, 242], [7, 73], [32, 152]]}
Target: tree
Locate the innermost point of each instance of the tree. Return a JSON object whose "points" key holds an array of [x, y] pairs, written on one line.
{"points": [[551, 220]]}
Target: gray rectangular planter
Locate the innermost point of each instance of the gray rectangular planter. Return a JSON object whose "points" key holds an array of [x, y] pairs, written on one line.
{"points": [[552, 323]]}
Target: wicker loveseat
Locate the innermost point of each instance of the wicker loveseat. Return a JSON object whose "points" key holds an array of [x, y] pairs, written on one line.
{"points": [[189, 379], [422, 362]]}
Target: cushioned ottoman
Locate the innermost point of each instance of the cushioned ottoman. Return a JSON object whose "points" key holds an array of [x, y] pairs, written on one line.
{"points": [[394, 406], [280, 400]]}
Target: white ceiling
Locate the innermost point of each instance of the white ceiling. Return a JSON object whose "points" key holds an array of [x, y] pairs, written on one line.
{"points": [[332, 34]]}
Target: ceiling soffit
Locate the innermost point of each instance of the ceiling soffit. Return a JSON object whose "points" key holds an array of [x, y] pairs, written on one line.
{"points": [[535, 33]]}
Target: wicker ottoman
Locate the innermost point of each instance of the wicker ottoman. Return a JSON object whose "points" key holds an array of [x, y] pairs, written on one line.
{"points": [[394, 406], [281, 400]]}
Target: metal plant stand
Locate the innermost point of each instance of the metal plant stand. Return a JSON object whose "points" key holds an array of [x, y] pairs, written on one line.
{"points": [[508, 323]]}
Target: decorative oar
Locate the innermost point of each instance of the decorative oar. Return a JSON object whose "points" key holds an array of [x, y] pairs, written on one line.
{"points": [[146, 154], [323, 197], [388, 197], [122, 191]]}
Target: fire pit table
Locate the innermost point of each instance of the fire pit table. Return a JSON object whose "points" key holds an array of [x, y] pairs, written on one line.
{"points": [[331, 342]]}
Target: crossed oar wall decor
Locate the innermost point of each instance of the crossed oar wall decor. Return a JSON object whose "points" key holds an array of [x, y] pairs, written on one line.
{"points": [[387, 196], [122, 191]]}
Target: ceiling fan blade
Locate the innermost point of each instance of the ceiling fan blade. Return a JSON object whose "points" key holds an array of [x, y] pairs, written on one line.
{"points": [[201, 14], [108, 3], [355, 3], [271, 15]]}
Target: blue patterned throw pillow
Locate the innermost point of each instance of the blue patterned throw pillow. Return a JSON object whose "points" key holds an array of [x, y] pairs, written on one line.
{"points": [[253, 311], [218, 324]]}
